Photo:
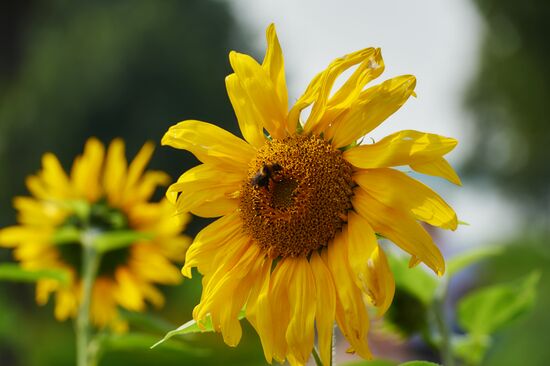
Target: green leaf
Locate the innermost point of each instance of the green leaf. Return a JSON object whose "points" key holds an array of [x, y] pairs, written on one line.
{"points": [[461, 261], [192, 327], [415, 280], [491, 308], [371, 363], [112, 240], [141, 341], [471, 348], [419, 363], [13, 272]]}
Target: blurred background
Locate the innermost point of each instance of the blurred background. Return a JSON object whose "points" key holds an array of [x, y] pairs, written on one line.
{"points": [[74, 69]]}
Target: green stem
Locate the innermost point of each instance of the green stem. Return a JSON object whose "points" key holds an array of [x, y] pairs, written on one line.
{"points": [[441, 324], [85, 354], [316, 357]]}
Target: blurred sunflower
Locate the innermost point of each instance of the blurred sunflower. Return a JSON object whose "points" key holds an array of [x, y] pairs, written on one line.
{"points": [[302, 203], [103, 201]]}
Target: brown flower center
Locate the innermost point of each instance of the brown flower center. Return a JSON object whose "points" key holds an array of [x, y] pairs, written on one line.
{"points": [[296, 196]]}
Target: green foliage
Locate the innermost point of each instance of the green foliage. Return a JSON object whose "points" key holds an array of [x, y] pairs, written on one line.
{"points": [[468, 258], [114, 240], [415, 281], [140, 341], [419, 363], [14, 272], [489, 309], [192, 327]]}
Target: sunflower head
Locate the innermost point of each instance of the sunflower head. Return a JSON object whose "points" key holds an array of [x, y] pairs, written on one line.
{"points": [[104, 202], [301, 203]]}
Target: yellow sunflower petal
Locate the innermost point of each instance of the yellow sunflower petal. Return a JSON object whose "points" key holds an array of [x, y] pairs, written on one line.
{"points": [[103, 307], [373, 107], [248, 118], [137, 166], [320, 89], [261, 92], [209, 241], [380, 281], [14, 235], [401, 148], [407, 234], [206, 185], [210, 144], [114, 177], [258, 308], [280, 308], [221, 298], [55, 177], [438, 167], [326, 306], [395, 189], [66, 303], [302, 298], [86, 170], [128, 293], [368, 263], [351, 313], [274, 65]]}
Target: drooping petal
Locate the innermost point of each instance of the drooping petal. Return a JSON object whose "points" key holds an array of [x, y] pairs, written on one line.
{"points": [[401, 148], [438, 167], [325, 308], [210, 144], [225, 291], [395, 189], [381, 281], [280, 308], [302, 299], [208, 242], [351, 313], [373, 107], [401, 228], [206, 185], [258, 308], [261, 92]]}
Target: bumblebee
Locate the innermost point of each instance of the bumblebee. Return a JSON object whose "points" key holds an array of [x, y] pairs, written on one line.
{"points": [[267, 173]]}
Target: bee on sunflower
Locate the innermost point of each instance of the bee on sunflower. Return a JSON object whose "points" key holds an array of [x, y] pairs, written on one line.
{"points": [[301, 203], [104, 208]]}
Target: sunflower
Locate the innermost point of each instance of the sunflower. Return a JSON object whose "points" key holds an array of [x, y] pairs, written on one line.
{"points": [[102, 195], [302, 203]]}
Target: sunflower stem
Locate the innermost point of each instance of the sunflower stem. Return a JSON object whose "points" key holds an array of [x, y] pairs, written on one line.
{"points": [[85, 352], [441, 324], [316, 357]]}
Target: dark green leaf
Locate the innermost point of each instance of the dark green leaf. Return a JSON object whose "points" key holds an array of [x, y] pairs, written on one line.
{"points": [[461, 261], [192, 327], [13, 272], [489, 309]]}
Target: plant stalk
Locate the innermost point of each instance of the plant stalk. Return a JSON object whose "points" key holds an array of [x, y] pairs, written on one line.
{"points": [[441, 324], [85, 354]]}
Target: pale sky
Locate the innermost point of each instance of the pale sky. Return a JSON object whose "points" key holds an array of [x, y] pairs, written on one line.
{"points": [[435, 40]]}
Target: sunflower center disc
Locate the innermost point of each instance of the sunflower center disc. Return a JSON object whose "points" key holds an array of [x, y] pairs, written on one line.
{"points": [[296, 196]]}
